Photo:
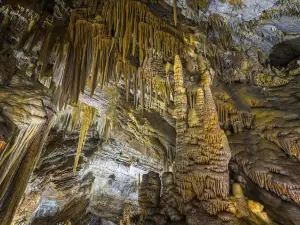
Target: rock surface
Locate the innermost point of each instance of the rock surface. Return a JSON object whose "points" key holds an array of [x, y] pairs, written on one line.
{"points": [[185, 115]]}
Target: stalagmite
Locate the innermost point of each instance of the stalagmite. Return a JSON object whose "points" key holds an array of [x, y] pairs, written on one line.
{"points": [[162, 79], [202, 150]]}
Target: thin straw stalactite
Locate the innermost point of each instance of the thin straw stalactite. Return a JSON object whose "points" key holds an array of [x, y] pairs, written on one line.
{"points": [[175, 11]]}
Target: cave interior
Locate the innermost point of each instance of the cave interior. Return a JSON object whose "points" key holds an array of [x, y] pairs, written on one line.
{"points": [[149, 112]]}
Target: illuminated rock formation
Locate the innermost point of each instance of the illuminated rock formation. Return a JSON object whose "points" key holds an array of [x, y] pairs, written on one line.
{"points": [[202, 150], [149, 112]]}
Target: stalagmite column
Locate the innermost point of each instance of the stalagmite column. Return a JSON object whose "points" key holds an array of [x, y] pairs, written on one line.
{"points": [[202, 150]]}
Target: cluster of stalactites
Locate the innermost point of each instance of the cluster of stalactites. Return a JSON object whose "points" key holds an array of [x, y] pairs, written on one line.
{"points": [[87, 56], [133, 22], [79, 116], [202, 150], [266, 177], [154, 83], [100, 44], [286, 139], [232, 119]]}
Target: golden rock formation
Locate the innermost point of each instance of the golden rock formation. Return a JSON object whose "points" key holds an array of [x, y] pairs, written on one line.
{"points": [[202, 150], [127, 49]]}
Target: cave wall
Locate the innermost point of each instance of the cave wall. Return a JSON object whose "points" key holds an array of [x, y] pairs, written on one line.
{"points": [[127, 111]]}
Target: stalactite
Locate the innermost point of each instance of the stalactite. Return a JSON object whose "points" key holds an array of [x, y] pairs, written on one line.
{"points": [[97, 36], [107, 128], [141, 43], [102, 52], [175, 11], [76, 116], [46, 48], [142, 89], [108, 122], [140, 22], [87, 120], [83, 29]]}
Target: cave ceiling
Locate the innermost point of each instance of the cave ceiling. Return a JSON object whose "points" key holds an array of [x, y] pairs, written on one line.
{"points": [[155, 112]]}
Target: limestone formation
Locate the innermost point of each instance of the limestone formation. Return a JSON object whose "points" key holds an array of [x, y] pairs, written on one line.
{"points": [[155, 112], [202, 150]]}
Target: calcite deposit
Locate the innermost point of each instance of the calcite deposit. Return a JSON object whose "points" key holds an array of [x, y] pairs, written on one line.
{"points": [[149, 112]]}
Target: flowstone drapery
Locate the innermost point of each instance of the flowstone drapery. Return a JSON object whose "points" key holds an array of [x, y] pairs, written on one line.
{"points": [[21, 154]]}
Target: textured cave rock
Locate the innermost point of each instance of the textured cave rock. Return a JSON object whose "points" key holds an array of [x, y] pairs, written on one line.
{"points": [[174, 118], [268, 179], [281, 211], [107, 181]]}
